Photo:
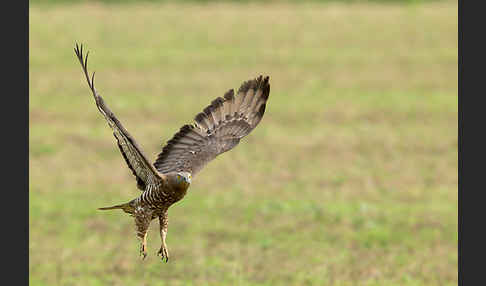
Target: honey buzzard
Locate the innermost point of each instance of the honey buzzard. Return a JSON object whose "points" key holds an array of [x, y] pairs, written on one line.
{"points": [[217, 129]]}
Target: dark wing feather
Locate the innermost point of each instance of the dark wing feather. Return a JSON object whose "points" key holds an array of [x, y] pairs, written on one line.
{"points": [[136, 160], [217, 129]]}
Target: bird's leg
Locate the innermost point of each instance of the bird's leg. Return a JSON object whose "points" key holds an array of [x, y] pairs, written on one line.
{"points": [[164, 222], [142, 222], [143, 247]]}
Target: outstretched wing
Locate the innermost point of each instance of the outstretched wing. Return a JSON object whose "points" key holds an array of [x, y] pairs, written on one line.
{"points": [[137, 162], [217, 129]]}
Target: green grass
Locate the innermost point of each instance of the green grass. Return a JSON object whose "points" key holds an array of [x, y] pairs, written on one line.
{"points": [[350, 179]]}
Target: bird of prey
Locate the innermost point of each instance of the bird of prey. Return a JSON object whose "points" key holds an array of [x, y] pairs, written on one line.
{"points": [[217, 129]]}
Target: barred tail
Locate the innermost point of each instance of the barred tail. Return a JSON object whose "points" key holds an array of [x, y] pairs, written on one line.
{"points": [[125, 207]]}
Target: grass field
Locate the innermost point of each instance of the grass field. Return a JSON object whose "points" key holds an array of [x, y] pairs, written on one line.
{"points": [[350, 179]]}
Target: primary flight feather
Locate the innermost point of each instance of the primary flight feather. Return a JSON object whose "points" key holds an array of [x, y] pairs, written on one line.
{"points": [[217, 129]]}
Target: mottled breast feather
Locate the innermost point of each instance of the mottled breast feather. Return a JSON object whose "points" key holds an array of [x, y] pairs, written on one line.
{"points": [[217, 129]]}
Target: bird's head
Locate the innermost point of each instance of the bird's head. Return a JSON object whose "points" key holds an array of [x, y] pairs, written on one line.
{"points": [[185, 177], [181, 180]]}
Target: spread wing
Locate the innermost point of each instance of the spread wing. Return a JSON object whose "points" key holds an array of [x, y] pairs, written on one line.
{"points": [[136, 160], [217, 129]]}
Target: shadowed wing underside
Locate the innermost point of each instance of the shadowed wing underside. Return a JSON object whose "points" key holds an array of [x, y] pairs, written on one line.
{"points": [[217, 129], [136, 160]]}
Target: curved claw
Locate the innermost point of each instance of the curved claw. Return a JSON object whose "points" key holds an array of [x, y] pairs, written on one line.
{"points": [[163, 253]]}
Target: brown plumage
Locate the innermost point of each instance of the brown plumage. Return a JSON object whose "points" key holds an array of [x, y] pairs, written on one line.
{"points": [[217, 129]]}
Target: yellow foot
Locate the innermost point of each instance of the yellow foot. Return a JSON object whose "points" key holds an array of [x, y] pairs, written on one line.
{"points": [[163, 253]]}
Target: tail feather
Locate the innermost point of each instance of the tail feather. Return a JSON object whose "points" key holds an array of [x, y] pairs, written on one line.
{"points": [[125, 207]]}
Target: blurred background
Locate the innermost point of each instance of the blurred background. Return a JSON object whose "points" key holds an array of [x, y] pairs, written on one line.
{"points": [[350, 178]]}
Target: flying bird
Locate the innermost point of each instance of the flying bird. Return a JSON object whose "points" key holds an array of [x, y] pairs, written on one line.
{"points": [[215, 130]]}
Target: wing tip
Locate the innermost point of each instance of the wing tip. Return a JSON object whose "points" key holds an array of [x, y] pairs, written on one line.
{"points": [[260, 82], [245, 86], [266, 88], [229, 95], [200, 117], [208, 109], [217, 102]]}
